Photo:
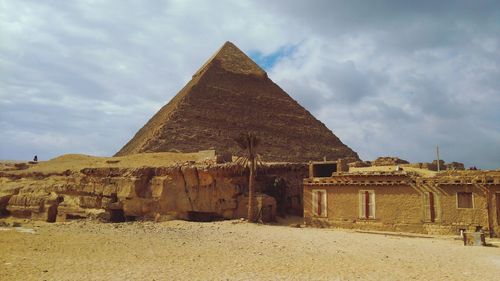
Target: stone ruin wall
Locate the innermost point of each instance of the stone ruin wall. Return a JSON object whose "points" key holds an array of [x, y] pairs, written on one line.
{"points": [[434, 167], [393, 161], [160, 193]]}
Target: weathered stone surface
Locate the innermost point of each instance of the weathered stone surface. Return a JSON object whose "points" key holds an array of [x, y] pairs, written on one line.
{"points": [[146, 192], [455, 166], [360, 164], [388, 161], [231, 94]]}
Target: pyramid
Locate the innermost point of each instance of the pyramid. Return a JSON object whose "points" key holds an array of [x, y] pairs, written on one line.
{"points": [[230, 94]]}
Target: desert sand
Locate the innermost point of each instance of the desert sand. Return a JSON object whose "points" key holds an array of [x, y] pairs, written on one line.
{"points": [[232, 250]]}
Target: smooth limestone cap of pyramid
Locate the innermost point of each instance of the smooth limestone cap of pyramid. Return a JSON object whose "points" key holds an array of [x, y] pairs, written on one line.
{"points": [[232, 59]]}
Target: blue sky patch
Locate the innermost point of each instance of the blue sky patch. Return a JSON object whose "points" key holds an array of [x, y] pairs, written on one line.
{"points": [[268, 61]]}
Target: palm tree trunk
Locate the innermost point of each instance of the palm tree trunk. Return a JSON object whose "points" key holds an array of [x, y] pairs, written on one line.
{"points": [[250, 215]]}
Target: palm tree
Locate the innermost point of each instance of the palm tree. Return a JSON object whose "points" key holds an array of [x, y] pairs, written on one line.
{"points": [[249, 141]]}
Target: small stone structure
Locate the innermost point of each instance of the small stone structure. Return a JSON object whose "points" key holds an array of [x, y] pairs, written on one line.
{"points": [[388, 161]]}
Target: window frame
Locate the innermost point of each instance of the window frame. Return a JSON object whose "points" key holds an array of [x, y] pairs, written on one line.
{"points": [[472, 199], [426, 206], [373, 210], [314, 203]]}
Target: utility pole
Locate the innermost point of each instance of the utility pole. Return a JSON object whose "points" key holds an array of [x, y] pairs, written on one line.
{"points": [[437, 152]]}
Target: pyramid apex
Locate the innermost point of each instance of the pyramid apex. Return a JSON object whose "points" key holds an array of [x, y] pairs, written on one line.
{"points": [[232, 59], [228, 45]]}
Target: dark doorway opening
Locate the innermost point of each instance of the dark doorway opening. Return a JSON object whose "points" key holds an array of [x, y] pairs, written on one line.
{"points": [[116, 215], [130, 218], [277, 188], [3, 206], [432, 209], [202, 216], [74, 217], [324, 170], [4, 213], [52, 213], [498, 207]]}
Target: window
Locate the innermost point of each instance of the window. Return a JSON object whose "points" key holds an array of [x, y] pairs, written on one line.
{"points": [[319, 203], [465, 200], [367, 204]]}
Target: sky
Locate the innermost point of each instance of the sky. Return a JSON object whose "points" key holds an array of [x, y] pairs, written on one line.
{"points": [[389, 78]]}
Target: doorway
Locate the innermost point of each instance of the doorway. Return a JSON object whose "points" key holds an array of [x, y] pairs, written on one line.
{"points": [[430, 206], [52, 213], [117, 215], [498, 208], [432, 209]]}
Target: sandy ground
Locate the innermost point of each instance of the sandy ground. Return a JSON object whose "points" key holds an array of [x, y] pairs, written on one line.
{"points": [[232, 250]]}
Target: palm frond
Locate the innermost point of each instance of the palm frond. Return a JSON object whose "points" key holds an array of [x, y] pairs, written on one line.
{"points": [[248, 141], [241, 164], [242, 161]]}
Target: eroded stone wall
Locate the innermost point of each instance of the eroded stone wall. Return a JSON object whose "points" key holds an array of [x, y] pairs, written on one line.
{"points": [[218, 191]]}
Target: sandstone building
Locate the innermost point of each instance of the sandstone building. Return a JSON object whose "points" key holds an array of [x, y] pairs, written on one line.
{"points": [[228, 95], [442, 203]]}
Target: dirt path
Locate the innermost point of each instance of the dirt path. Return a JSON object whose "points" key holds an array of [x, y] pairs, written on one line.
{"points": [[231, 250]]}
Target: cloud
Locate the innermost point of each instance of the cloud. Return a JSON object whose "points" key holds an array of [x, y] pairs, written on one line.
{"points": [[388, 77], [400, 80]]}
